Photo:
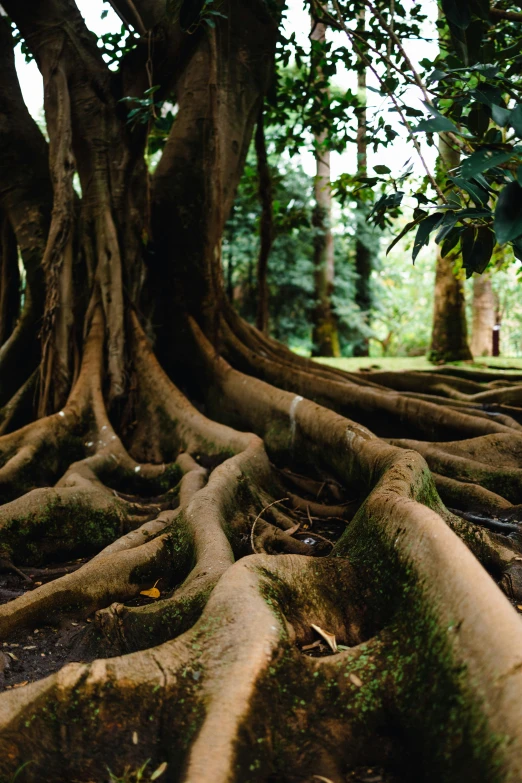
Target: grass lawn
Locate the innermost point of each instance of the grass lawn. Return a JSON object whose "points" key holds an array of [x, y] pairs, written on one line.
{"points": [[416, 363]]}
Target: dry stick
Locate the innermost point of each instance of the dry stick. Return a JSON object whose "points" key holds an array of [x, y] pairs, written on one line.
{"points": [[395, 102], [258, 517]]}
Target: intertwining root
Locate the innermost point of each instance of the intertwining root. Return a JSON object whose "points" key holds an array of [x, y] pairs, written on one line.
{"points": [[220, 685]]}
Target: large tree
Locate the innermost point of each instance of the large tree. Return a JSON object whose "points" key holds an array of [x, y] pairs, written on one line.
{"points": [[147, 427]]}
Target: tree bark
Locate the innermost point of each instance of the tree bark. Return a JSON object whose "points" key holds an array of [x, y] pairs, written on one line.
{"points": [[483, 316], [9, 280], [325, 336], [449, 336]]}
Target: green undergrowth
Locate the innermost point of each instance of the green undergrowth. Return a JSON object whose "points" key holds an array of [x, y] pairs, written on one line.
{"points": [[60, 528]]}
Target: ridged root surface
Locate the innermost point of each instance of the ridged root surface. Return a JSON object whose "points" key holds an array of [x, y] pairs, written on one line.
{"points": [[218, 672]]}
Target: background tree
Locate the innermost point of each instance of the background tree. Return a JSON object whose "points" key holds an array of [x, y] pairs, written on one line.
{"points": [[449, 335], [363, 255], [325, 336], [483, 316]]}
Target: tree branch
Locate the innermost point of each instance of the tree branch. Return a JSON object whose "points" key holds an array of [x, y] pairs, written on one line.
{"points": [[143, 15], [499, 13]]}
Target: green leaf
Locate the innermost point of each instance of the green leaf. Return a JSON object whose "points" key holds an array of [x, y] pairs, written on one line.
{"points": [[508, 213], [500, 115], [477, 248], [424, 230], [478, 194], [381, 169], [404, 231], [482, 160], [446, 227], [477, 120], [457, 12], [475, 213], [436, 76], [436, 125], [515, 119], [517, 248], [451, 241], [488, 95]]}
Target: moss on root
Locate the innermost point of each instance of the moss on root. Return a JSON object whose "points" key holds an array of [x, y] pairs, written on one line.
{"points": [[61, 528], [437, 708]]}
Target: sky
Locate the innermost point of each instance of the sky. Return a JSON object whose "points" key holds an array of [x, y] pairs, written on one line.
{"points": [[394, 156]]}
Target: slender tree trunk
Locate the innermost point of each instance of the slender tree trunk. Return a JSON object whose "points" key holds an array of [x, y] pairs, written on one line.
{"points": [[363, 255], [325, 334], [266, 227], [497, 327], [483, 316], [449, 336]]}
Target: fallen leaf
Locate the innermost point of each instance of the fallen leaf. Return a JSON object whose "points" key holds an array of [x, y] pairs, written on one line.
{"points": [[158, 772], [323, 779], [134, 737], [30, 647], [13, 656], [519, 606], [328, 637], [356, 680], [152, 593], [20, 684]]}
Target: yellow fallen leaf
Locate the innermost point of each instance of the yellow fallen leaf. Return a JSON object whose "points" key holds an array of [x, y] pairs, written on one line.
{"points": [[327, 636], [519, 606], [152, 593], [158, 772], [20, 684], [356, 680]]}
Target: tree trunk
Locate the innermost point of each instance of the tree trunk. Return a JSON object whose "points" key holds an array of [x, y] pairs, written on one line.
{"points": [[363, 254], [325, 336], [449, 336], [483, 316], [224, 583]]}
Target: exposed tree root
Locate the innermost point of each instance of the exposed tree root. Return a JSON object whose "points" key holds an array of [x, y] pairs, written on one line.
{"points": [[229, 693]]}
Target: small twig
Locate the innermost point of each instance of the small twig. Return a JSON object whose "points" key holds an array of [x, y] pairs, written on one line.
{"points": [[282, 500], [309, 517]]}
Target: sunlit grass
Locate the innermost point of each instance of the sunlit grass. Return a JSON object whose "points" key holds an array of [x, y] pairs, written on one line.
{"points": [[417, 363]]}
